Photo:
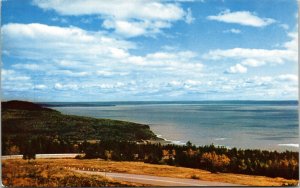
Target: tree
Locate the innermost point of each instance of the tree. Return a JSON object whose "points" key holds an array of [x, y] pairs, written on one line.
{"points": [[13, 150], [29, 155], [189, 144], [216, 162], [28, 151]]}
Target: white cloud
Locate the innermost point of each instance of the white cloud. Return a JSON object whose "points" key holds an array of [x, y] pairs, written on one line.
{"points": [[111, 86], [5, 72], [67, 63], [284, 26], [187, 84], [258, 57], [127, 28], [116, 8], [169, 48], [36, 41], [86, 20], [17, 87], [65, 58], [134, 28], [11, 75], [180, 1], [288, 77], [193, 82], [281, 86], [235, 31], [59, 86], [28, 66], [258, 81], [182, 55], [71, 47], [105, 73], [292, 45], [174, 83], [108, 73], [62, 20], [275, 56], [14, 81], [253, 62], [40, 87], [264, 87], [242, 17], [277, 81], [189, 17], [127, 18], [178, 61], [238, 68], [69, 73]]}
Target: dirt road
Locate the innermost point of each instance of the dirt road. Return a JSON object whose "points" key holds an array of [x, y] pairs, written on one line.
{"points": [[40, 156], [156, 180]]}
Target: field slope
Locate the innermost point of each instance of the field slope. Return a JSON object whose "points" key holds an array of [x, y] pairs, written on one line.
{"points": [[58, 170]]}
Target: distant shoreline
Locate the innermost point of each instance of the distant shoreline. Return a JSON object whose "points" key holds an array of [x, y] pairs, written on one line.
{"points": [[117, 103], [172, 142]]}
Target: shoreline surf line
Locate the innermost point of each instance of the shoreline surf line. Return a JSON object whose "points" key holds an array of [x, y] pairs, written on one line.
{"points": [[167, 141], [289, 145]]}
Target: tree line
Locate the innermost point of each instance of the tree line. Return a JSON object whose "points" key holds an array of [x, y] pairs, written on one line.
{"points": [[209, 157]]}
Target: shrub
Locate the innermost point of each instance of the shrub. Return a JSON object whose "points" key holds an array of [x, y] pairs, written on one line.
{"points": [[215, 162], [195, 177]]}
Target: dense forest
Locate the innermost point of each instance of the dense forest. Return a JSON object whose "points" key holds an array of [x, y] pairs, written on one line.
{"points": [[27, 120], [211, 158], [214, 159], [33, 130]]}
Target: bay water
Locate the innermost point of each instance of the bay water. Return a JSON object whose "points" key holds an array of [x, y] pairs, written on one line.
{"points": [[271, 125]]}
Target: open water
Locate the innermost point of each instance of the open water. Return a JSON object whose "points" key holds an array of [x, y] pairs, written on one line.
{"points": [[271, 125]]}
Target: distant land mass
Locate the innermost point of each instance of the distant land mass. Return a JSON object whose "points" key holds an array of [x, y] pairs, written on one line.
{"points": [[115, 103]]}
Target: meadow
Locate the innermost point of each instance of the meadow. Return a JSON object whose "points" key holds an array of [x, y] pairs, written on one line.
{"points": [[51, 172]]}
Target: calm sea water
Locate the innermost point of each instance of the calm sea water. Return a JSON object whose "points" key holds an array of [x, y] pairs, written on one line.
{"points": [[242, 124]]}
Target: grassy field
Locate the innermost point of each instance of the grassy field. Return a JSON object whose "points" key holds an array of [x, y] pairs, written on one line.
{"points": [[19, 172]]}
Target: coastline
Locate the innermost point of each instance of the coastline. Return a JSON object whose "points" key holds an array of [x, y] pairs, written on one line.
{"points": [[163, 141], [284, 147], [120, 140], [239, 124]]}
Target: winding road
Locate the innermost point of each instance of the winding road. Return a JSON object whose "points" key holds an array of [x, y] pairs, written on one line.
{"points": [[134, 178], [156, 180], [41, 156]]}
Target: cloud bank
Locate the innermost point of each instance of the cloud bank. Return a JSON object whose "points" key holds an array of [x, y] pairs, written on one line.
{"points": [[127, 18]]}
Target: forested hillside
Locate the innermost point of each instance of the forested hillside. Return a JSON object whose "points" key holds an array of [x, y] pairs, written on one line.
{"points": [[28, 123]]}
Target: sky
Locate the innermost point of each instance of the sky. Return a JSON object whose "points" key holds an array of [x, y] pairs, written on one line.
{"points": [[142, 50]]}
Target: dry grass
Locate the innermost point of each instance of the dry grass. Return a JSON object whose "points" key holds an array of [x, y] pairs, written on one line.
{"points": [[20, 173], [146, 169]]}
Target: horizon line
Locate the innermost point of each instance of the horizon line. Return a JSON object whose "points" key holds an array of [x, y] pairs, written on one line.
{"points": [[246, 100]]}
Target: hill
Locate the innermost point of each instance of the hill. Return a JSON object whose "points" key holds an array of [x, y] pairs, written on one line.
{"points": [[25, 120], [22, 105]]}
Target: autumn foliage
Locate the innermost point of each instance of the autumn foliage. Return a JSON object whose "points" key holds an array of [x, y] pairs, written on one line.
{"points": [[214, 161]]}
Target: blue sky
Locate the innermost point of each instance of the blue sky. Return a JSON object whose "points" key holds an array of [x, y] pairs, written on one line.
{"points": [[90, 50]]}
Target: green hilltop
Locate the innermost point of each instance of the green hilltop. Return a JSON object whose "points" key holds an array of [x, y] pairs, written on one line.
{"points": [[28, 120]]}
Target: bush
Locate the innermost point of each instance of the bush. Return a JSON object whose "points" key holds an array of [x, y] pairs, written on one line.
{"points": [[79, 157], [215, 162], [195, 177]]}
